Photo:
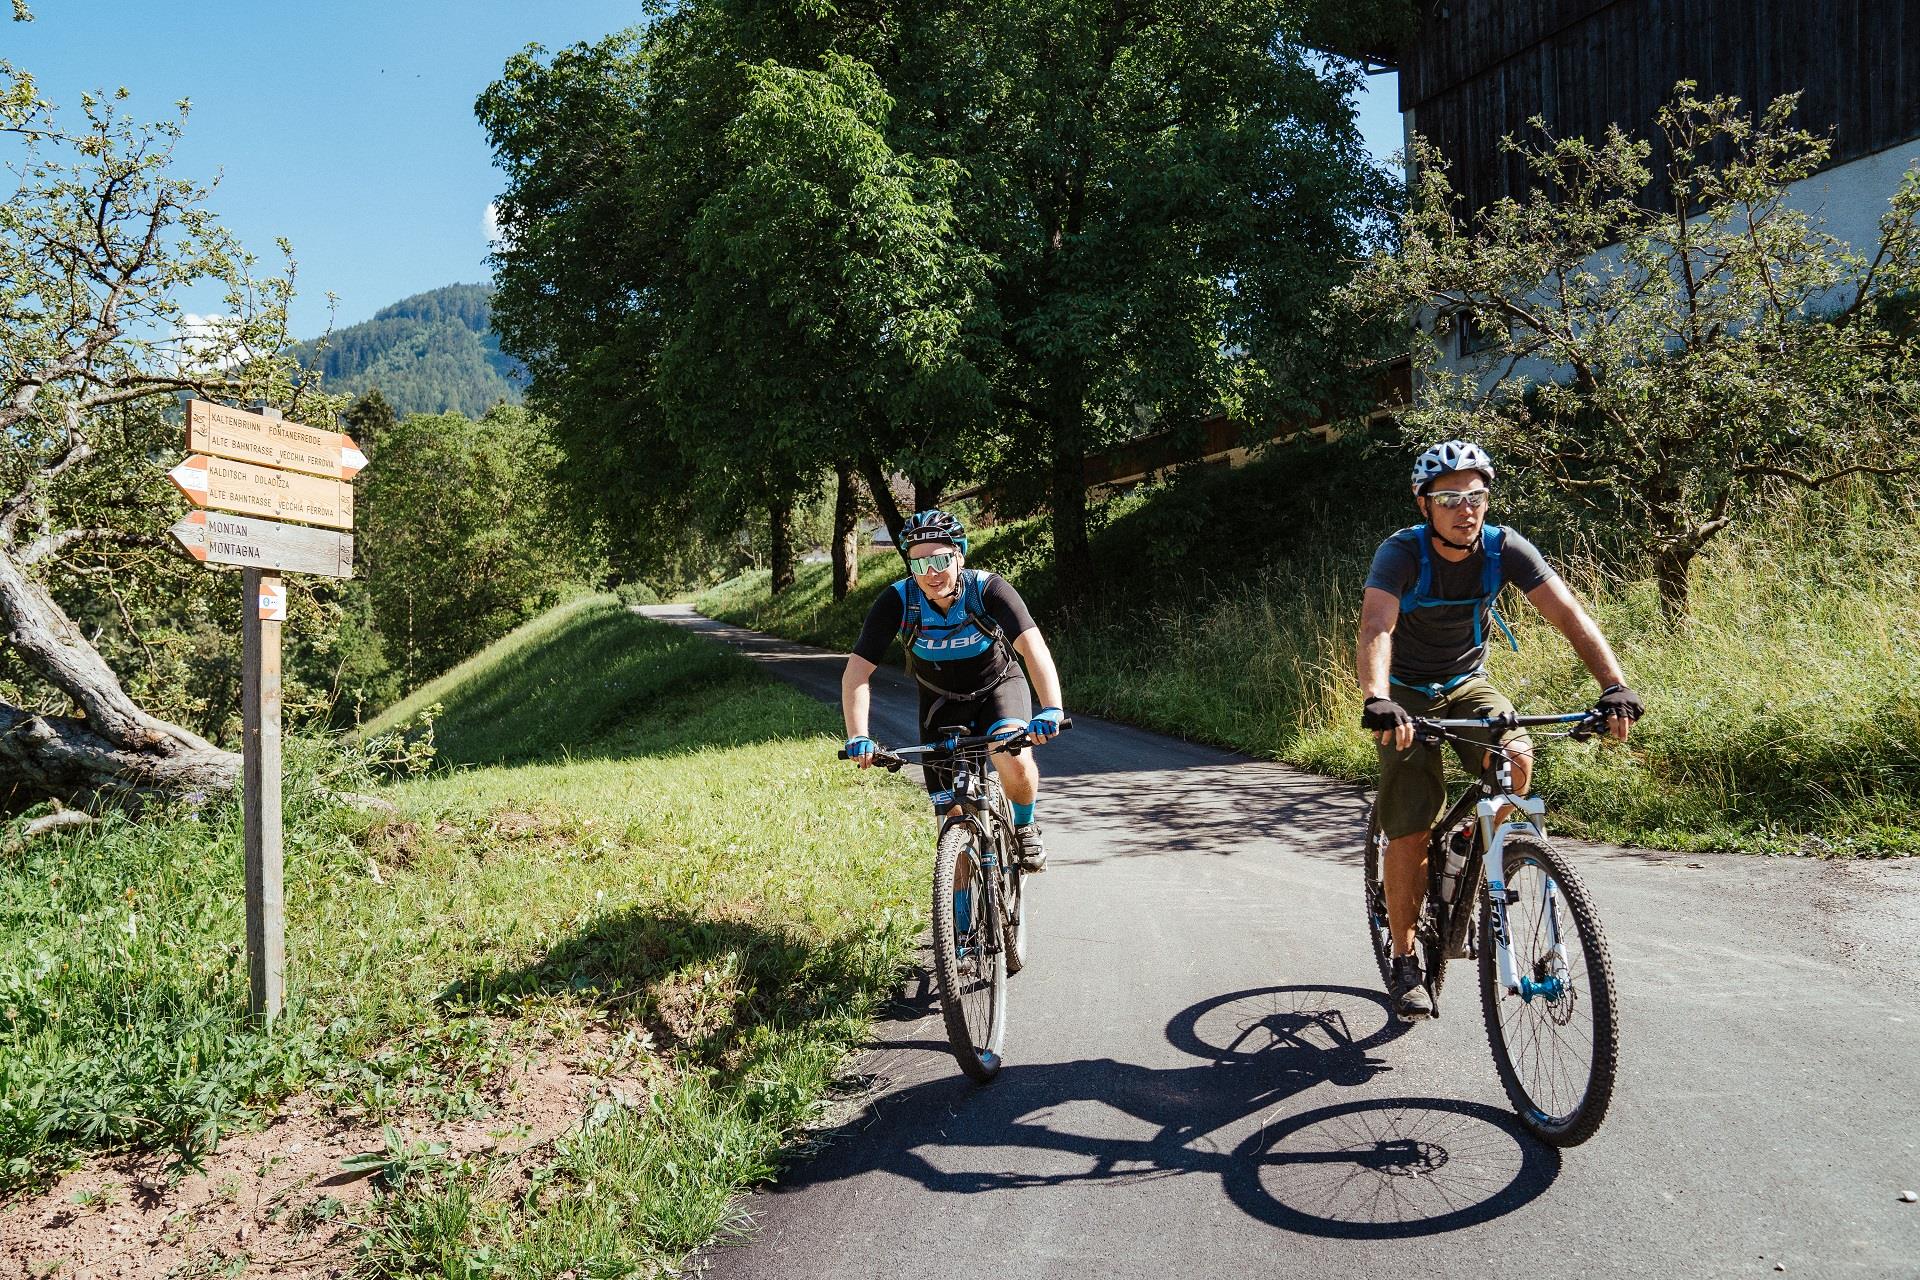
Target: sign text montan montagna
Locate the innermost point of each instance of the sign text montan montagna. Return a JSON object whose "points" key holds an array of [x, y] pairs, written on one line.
{"points": [[214, 537]]}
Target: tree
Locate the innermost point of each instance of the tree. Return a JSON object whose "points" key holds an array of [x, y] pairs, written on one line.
{"points": [[772, 239], [98, 240], [845, 540], [596, 143], [369, 419], [1665, 367], [1165, 190], [770, 284], [465, 540]]}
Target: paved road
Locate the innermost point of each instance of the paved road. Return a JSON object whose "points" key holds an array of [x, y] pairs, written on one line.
{"points": [[1202, 1079]]}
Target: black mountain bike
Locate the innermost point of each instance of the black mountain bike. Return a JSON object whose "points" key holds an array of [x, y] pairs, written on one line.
{"points": [[1546, 976], [979, 902]]}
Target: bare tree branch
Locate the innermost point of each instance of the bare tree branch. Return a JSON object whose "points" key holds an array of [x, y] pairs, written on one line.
{"points": [[55, 543]]}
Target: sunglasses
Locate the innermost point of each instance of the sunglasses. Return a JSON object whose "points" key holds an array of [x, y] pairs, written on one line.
{"points": [[930, 564], [1471, 499]]}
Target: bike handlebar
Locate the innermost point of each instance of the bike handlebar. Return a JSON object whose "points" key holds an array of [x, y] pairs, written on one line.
{"points": [[1020, 740], [1586, 724]]}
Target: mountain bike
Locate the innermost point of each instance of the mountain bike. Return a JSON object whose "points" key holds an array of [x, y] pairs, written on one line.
{"points": [[979, 900], [1546, 976]]}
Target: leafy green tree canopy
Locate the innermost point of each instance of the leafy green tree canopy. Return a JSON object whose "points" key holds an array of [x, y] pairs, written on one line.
{"points": [[460, 539], [986, 236], [1665, 367]]}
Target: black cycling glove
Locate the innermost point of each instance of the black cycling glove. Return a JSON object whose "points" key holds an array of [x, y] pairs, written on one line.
{"points": [[1384, 713], [1618, 700]]}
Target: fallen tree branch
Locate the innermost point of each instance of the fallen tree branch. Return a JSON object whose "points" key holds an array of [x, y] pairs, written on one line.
{"points": [[59, 819]]}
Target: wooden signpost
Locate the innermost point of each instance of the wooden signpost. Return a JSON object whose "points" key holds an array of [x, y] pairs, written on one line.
{"points": [[253, 470], [213, 537], [264, 491]]}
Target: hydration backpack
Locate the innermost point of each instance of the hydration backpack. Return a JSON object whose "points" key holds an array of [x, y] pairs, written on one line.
{"points": [[1420, 595], [931, 634]]}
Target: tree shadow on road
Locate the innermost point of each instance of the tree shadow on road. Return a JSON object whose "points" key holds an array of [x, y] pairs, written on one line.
{"points": [[1212, 810], [1371, 1169]]}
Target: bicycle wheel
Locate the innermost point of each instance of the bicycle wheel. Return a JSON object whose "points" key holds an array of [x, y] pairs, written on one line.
{"points": [[1426, 934], [1013, 913], [1555, 1043], [971, 973]]}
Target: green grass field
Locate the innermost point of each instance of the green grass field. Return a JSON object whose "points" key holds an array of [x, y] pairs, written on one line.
{"points": [[1784, 717], [629, 836]]}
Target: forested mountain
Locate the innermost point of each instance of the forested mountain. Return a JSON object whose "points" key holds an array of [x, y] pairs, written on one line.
{"points": [[430, 353]]}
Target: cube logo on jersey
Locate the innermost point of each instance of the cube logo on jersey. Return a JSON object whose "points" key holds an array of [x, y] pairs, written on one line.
{"points": [[957, 646]]}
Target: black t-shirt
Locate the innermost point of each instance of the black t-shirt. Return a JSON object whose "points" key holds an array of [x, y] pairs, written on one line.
{"points": [[1437, 643], [964, 675]]}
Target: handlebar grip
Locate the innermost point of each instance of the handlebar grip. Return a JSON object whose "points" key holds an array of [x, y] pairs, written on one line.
{"points": [[842, 754]]}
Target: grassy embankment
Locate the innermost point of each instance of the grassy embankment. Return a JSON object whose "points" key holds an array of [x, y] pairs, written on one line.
{"points": [[1784, 716], [644, 850]]}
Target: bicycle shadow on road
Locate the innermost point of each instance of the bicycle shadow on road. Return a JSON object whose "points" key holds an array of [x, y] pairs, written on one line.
{"points": [[1370, 1169]]}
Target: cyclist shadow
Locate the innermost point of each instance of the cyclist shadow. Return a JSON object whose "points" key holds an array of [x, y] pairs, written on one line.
{"points": [[1378, 1168]]}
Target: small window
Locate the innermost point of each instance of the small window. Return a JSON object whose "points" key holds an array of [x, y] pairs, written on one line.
{"points": [[1476, 333]]}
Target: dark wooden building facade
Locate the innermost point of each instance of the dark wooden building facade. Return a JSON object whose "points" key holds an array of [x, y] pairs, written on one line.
{"points": [[1476, 70]]}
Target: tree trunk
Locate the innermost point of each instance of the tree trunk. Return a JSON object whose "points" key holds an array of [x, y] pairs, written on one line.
{"points": [[1072, 552], [882, 492], [780, 517], [846, 533], [926, 494], [116, 752], [1670, 566]]}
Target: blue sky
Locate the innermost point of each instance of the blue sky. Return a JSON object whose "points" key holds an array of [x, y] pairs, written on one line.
{"points": [[346, 126]]}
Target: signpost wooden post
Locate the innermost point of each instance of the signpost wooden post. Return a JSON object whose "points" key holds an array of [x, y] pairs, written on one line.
{"points": [[251, 471], [264, 611]]}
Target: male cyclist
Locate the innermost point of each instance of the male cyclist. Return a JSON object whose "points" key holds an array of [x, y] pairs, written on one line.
{"points": [[961, 628], [1422, 652]]}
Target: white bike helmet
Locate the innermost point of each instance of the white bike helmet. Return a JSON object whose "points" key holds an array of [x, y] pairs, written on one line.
{"points": [[1453, 455]]}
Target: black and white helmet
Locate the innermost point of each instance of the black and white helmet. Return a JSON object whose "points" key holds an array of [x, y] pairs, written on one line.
{"points": [[1453, 455], [931, 525]]}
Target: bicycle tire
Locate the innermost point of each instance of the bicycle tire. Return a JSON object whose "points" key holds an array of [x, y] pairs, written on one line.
{"points": [[1559, 1121], [972, 977], [1012, 883], [1432, 952], [1013, 914]]}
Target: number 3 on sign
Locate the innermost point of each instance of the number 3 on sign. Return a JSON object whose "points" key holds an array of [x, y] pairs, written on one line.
{"points": [[273, 602]]}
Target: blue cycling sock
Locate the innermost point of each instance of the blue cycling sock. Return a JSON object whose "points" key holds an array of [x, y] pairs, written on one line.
{"points": [[1022, 814]]}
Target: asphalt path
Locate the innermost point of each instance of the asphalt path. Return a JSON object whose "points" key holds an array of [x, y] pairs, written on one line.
{"points": [[1202, 1078]]}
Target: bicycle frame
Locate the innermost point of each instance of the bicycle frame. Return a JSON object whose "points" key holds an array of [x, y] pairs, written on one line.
{"points": [[1525, 814], [973, 793]]}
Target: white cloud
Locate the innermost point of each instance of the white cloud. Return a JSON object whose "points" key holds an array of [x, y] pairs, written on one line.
{"points": [[496, 235], [200, 340]]}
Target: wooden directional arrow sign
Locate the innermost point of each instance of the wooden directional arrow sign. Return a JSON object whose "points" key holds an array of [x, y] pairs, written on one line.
{"points": [[213, 537], [261, 491], [272, 442]]}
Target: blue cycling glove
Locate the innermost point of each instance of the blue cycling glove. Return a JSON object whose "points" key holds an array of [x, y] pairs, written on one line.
{"points": [[1046, 724], [861, 748]]}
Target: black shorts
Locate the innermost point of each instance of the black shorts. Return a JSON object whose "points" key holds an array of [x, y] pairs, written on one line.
{"points": [[1009, 701]]}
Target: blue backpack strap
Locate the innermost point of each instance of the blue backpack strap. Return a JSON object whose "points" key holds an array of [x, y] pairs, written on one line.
{"points": [[1423, 585], [1492, 539]]}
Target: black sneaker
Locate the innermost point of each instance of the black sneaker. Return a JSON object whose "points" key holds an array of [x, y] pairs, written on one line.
{"points": [[1407, 993], [1033, 850]]}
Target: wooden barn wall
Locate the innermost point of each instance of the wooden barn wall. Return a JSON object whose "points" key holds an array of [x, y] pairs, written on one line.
{"points": [[1479, 72]]}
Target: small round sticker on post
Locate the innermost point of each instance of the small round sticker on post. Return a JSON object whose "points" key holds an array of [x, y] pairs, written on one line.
{"points": [[273, 600]]}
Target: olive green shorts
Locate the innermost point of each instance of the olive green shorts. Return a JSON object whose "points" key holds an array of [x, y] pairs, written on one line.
{"points": [[1413, 783]]}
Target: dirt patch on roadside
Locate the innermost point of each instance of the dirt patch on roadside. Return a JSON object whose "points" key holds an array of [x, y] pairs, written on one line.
{"points": [[278, 1201]]}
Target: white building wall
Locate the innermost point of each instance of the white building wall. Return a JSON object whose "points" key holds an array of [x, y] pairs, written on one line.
{"points": [[1846, 201]]}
